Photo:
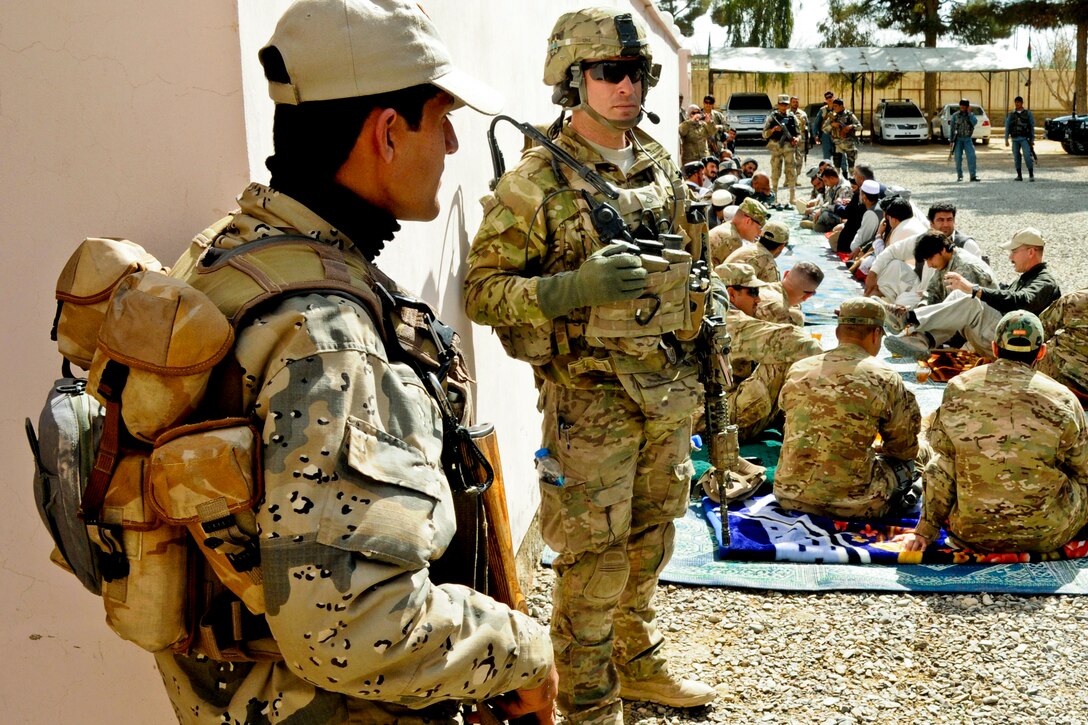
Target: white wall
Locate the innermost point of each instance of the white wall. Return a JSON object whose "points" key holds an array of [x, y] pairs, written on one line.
{"points": [[144, 120]]}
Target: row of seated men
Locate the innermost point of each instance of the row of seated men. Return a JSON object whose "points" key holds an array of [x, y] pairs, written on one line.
{"points": [[834, 405]]}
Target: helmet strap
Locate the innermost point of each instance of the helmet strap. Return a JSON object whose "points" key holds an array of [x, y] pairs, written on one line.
{"points": [[583, 105]]}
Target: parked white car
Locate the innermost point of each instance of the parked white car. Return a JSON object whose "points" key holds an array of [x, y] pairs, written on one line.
{"points": [[899, 120], [942, 123]]}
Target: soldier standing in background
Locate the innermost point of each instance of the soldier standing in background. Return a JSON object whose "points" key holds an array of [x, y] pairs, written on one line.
{"points": [[836, 404], [821, 127], [803, 136], [356, 505], [1010, 453], [780, 130], [694, 132], [844, 127], [962, 125], [1020, 125], [717, 120], [617, 408]]}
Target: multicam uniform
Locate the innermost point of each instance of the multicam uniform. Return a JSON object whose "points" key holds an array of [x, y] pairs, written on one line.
{"points": [[1066, 325], [1010, 464], [783, 152], [760, 259], [617, 417], [694, 137], [761, 354], [356, 506], [835, 404], [802, 140], [774, 306]]}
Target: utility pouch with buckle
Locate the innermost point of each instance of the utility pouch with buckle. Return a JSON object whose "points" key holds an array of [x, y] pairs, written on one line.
{"points": [[207, 478]]}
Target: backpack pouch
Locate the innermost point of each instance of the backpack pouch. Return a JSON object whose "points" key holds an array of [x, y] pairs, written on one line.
{"points": [[147, 606], [207, 477], [83, 291]]}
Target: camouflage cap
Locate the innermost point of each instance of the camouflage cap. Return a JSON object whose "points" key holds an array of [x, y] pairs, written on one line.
{"points": [[738, 275], [776, 232], [592, 34], [861, 311], [1019, 331], [755, 210], [784, 98], [1026, 237]]}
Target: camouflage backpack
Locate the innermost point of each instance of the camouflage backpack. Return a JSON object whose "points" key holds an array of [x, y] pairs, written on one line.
{"points": [[151, 459]]}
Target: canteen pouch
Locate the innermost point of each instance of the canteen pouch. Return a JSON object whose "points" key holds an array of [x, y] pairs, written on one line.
{"points": [[207, 478], [147, 606], [84, 288]]}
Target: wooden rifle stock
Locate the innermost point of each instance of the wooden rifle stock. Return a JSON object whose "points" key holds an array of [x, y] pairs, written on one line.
{"points": [[503, 573]]}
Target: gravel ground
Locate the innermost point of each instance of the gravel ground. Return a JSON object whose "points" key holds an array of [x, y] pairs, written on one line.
{"points": [[857, 657]]}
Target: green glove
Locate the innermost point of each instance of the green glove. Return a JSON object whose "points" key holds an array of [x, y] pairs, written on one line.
{"points": [[609, 275]]}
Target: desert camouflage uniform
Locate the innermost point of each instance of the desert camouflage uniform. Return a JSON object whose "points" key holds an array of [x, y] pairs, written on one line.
{"points": [[760, 259], [617, 417], [694, 136], [835, 405], [356, 506], [846, 145], [718, 128], [774, 306], [1066, 326], [963, 263], [762, 352], [1010, 465], [782, 151], [723, 242], [802, 138]]}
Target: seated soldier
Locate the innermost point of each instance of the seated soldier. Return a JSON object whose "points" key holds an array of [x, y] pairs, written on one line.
{"points": [[1065, 325], [762, 254], [745, 226], [1009, 470], [781, 301], [761, 352], [836, 404]]}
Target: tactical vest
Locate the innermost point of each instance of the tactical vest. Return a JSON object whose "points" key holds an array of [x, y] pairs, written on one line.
{"points": [[1019, 126]]}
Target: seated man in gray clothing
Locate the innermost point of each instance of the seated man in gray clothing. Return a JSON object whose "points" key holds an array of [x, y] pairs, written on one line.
{"points": [[973, 310]]}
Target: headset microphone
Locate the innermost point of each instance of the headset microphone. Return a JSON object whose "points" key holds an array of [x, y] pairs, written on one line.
{"points": [[654, 118]]}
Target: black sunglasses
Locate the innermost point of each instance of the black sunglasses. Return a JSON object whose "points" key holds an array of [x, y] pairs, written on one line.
{"points": [[614, 71]]}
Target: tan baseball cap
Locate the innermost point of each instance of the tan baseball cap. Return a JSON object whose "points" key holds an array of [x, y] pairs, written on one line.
{"points": [[738, 275], [784, 98], [861, 311], [348, 48], [776, 232], [1028, 236]]}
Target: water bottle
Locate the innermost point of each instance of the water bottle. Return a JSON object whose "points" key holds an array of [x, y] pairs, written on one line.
{"points": [[547, 468]]}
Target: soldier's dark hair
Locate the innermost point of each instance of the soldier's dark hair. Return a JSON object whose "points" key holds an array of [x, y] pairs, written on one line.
{"points": [[899, 209], [940, 207], [839, 102], [1019, 98], [1027, 357], [930, 243], [709, 99], [829, 172], [865, 170]]}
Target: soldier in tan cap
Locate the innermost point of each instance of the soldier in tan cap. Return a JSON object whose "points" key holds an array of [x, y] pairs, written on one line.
{"points": [[782, 134], [762, 254], [761, 352], [836, 404], [356, 506], [973, 310], [618, 386], [1009, 470], [746, 226]]}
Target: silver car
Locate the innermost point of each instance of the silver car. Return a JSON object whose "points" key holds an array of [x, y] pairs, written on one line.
{"points": [[899, 120], [746, 112], [942, 123]]}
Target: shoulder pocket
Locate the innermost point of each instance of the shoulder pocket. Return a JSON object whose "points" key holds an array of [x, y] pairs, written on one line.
{"points": [[400, 511]]}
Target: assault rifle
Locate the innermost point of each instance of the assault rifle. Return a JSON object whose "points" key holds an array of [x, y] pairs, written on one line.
{"points": [[787, 135]]}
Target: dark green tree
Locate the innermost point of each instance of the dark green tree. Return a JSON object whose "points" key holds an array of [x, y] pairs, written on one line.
{"points": [[1053, 14], [757, 23]]}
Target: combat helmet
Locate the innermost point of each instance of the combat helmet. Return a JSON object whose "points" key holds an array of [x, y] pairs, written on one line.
{"points": [[593, 34]]}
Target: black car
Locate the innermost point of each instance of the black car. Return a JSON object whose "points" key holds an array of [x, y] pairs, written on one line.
{"points": [[1071, 131]]}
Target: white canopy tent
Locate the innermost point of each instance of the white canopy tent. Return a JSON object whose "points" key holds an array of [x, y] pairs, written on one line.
{"points": [[868, 60]]}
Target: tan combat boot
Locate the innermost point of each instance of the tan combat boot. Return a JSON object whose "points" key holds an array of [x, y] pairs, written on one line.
{"points": [[663, 689]]}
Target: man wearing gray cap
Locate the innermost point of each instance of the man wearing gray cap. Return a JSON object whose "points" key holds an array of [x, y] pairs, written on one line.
{"points": [[836, 403], [356, 506], [1009, 471], [973, 310]]}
